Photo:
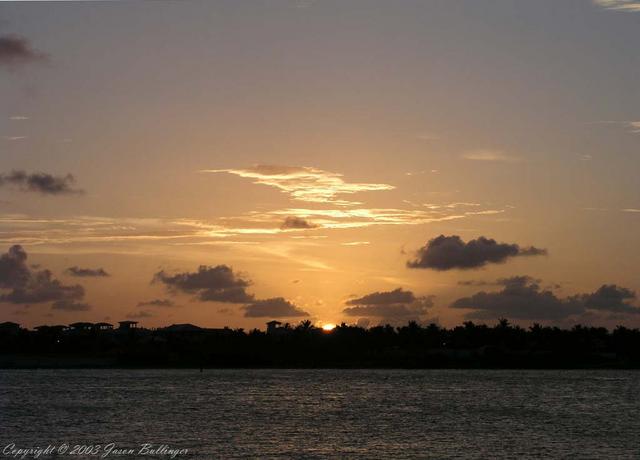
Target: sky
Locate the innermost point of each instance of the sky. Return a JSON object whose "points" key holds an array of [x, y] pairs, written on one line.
{"points": [[226, 163]]}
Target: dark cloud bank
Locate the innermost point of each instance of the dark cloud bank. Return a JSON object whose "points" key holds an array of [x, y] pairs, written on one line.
{"points": [[276, 307], [22, 285], [157, 303], [296, 223], [221, 284], [390, 306], [43, 183], [16, 51], [521, 297], [86, 272], [215, 284], [139, 315], [450, 252]]}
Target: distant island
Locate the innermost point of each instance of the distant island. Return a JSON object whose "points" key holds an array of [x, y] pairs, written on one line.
{"points": [[101, 345]]}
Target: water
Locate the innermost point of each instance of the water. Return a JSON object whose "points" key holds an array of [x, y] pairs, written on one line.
{"points": [[328, 413]]}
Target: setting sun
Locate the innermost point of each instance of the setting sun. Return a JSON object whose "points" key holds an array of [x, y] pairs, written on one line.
{"points": [[328, 327]]}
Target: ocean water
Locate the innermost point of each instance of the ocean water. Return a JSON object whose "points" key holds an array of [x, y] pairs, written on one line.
{"points": [[324, 413]]}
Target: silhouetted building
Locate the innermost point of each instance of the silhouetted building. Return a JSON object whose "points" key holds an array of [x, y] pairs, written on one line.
{"points": [[81, 326], [45, 328], [127, 325], [103, 326], [273, 327], [9, 328], [183, 328]]}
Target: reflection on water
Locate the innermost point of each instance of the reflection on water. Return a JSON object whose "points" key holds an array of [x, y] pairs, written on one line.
{"points": [[329, 413]]}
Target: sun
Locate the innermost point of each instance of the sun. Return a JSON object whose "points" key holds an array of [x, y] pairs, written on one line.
{"points": [[328, 327]]}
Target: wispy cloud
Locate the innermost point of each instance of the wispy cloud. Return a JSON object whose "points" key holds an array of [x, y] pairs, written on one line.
{"points": [[365, 217], [245, 229], [139, 315], [490, 155], [632, 126], [165, 303], [632, 6], [437, 206], [27, 230], [418, 173], [428, 136], [305, 183]]}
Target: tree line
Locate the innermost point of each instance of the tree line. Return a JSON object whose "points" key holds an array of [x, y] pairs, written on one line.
{"points": [[304, 345]]}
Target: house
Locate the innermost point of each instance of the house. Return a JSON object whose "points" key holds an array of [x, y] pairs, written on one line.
{"points": [[182, 328], [81, 326], [127, 325], [273, 327], [103, 326], [9, 328], [45, 329]]}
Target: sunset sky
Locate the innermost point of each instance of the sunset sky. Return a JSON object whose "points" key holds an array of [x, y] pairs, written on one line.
{"points": [[228, 163]]}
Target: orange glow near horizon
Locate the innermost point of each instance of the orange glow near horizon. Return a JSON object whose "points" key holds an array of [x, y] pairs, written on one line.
{"points": [[328, 327]]}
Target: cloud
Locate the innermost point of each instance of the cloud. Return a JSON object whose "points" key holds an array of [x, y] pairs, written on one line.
{"points": [[42, 287], [490, 155], [476, 283], [611, 298], [139, 315], [363, 217], [70, 305], [214, 284], [16, 51], [276, 307], [26, 286], [86, 272], [632, 6], [224, 231], [94, 229], [450, 252], [521, 297], [43, 183], [384, 298], [292, 222], [391, 305], [304, 183], [13, 268], [631, 126], [157, 303]]}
